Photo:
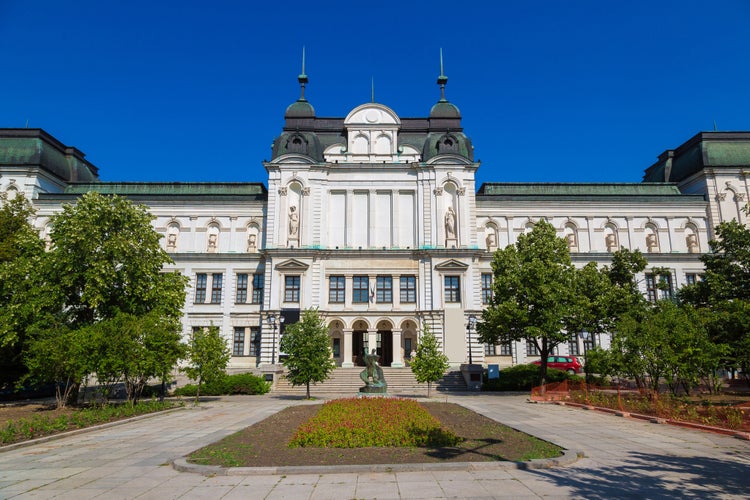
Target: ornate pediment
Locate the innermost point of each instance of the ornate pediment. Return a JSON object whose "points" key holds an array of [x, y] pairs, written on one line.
{"points": [[292, 265], [452, 265]]}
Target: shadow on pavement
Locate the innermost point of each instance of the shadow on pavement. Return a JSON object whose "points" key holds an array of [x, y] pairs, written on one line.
{"points": [[656, 476]]}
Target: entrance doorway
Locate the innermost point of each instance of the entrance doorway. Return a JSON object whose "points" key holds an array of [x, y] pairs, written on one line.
{"points": [[385, 347], [359, 347]]}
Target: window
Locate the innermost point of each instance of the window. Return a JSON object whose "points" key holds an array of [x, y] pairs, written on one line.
{"points": [[452, 288], [407, 348], [589, 342], [291, 289], [241, 295], [257, 288], [216, 284], [200, 288], [408, 289], [531, 349], [693, 278], [254, 341], [490, 350], [360, 289], [658, 290], [336, 289], [573, 345], [384, 289], [506, 349], [238, 345], [486, 288]]}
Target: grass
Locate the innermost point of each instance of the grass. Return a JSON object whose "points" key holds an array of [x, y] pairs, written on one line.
{"points": [[373, 431]]}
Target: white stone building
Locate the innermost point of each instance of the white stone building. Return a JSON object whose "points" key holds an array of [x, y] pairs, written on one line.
{"points": [[376, 220]]}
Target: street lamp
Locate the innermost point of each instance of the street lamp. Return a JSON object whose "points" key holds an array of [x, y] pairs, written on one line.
{"points": [[271, 319], [471, 325], [585, 335]]}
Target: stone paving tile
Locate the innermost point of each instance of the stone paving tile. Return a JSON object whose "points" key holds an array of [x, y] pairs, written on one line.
{"points": [[463, 488], [175, 491], [333, 491], [245, 492], [291, 491], [419, 489], [372, 489]]}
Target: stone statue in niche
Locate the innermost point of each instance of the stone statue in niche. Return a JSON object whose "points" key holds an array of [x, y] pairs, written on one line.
{"points": [[252, 242], [171, 241], [651, 242], [571, 239], [490, 240], [692, 243], [610, 241], [450, 224], [212, 240], [293, 222]]}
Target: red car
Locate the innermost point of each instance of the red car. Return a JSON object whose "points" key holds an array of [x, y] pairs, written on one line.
{"points": [[568, 364]]}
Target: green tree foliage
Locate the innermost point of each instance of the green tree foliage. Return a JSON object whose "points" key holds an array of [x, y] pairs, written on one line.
{"points": [[724, 294], [207, 357], [308, 350], [106, 259], [665, 342], [62, 356], [534, 294], [430, 363], [135, 349], [21, 300]]}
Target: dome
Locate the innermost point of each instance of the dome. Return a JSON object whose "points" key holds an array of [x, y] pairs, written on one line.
{"points": [[444, 109], [300, 109]]}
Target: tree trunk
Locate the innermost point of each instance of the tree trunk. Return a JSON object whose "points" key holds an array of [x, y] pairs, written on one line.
{"points": [[308, 390], [429, 384]]}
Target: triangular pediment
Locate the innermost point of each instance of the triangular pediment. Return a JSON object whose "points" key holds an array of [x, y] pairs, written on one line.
{"points": [[292, 265], [452, 265]]}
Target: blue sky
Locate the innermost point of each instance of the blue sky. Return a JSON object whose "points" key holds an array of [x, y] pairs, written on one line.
{"points": [[549, 91]]}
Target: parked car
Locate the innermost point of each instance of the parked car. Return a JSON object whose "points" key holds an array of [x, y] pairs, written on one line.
{"points": [[568, 364]]}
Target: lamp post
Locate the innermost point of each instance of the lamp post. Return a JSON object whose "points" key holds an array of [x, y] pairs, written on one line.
{"points": [[471, 325], [585, 335], [274, 322]]}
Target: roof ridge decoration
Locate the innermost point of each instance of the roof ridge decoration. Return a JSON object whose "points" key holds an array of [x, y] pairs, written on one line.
{"points": [[302, 78]]}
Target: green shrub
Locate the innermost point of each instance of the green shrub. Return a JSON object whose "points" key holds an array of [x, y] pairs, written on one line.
{"points": [[523, 378], [241, 383]]}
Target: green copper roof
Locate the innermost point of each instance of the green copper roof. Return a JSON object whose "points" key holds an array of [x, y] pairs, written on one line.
{"points": [[578, 189], [171, 188]]}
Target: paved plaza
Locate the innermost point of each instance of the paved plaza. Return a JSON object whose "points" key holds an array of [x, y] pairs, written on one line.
{"points": [[624, 458]]}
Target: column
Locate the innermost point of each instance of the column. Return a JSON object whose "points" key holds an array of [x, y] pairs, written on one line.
{"points": [[629, 222], [372, 340], [348, 361], [397, 362]]}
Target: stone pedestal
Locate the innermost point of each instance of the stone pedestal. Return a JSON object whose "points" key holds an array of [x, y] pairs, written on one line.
{"points": [[472, 376]]}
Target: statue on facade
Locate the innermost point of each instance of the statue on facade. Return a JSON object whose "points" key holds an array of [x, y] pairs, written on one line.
{"points": [[450, 224], [212, 241], [373, 376], [490, 240], [692, 243], [293, 221], [251, 242], [172, 241]]}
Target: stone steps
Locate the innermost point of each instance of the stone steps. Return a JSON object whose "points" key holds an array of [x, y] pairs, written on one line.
{"points": [[346, 382]]}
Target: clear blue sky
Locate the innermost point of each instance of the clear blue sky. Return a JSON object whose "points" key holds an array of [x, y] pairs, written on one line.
{"points": [[572, 91]]}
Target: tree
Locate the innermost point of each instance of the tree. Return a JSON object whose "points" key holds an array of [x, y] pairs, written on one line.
{"points": [[533, 294], [207, 357], [106, 258], [308, 350], [430, 363], [21, 300]]}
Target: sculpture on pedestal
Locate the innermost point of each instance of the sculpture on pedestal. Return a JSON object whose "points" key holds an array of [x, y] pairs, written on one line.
{"points": [[373, 376]]}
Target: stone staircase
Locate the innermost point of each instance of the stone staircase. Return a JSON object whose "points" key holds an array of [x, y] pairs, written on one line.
{"points": [[346, 382]]}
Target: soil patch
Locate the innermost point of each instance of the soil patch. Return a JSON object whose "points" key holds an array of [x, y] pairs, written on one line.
{"points": [[265, 443]]}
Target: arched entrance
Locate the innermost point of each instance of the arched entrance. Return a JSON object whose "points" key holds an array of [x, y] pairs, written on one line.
{"points": [[385, 343], [359, 343]]}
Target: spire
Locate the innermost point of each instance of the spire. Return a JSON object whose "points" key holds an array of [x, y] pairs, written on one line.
{"points": [[302, 78], [442, 79], [372, 89]]}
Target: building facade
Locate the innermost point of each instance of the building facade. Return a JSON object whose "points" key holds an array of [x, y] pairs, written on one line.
{"points": [[376, 221]]}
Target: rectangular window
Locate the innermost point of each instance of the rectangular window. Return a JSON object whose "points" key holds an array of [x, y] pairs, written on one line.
{"points": [[258, 288], [452, 288], [336, 348], [238, 345], [693, 278], [408, 289], [407, 348], [291, 288], [384, 289], [216, 284], [589, 343], [241, 295], [506, 349], [490, 350], [254, 341], [360, 289], [200, 288], [659, 287], [531, 349], [336, 289], [573, 349], [486, 288]]}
